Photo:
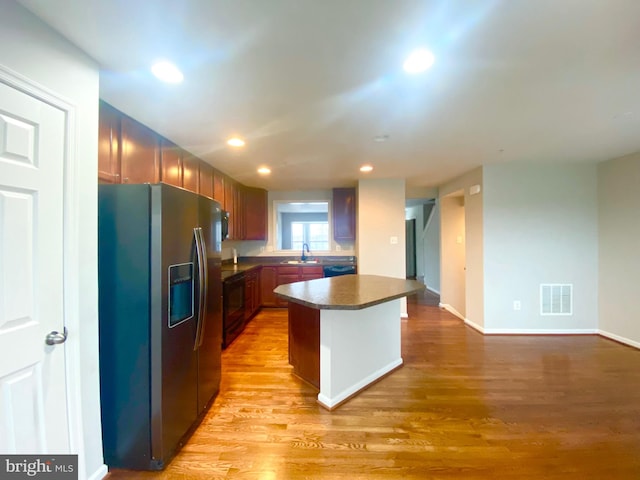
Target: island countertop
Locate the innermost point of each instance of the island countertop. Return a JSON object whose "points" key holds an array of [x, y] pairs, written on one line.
{"points": [[347, 292]]}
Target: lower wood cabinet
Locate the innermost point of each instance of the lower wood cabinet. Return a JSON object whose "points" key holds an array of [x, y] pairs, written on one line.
{"points": [[252, 293], [268, 279], [304, 342], [274, 276]]}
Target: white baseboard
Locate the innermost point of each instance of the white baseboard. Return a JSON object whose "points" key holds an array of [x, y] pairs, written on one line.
{"points": [[528, 331], [540, 331], [329, 403], [432, 290], [451, 310], [474, 325], [100, 473], [618, 338]]}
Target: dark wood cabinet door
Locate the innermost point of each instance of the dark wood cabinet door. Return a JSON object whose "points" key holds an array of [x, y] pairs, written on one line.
{"points": [[249, 287], [252, 293], [190, 172], [218, 188], [206, 180], [108, 144], [344, 214], [283, 279], [257, 292], [140, 153], [311, 273], [268, 279], [304, 342], [230, 206], [239, 210], [171, 163], [255, 213]]}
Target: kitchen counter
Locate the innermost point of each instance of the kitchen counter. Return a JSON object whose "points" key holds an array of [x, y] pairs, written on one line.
{"points": [[348, 292], [247, 263], [344, 332]]}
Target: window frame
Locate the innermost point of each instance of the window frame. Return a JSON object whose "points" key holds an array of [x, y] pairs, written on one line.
{"points": [[277, 228]]}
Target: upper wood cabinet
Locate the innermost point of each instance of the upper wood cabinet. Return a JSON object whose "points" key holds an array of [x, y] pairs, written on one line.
{"points": [[255, 213], [218, 188], [171, 163], [344, 214], [230, 206], [129, 152], [108, 144], [190, 172], [205, 184], [238, 206], [140, 161]]}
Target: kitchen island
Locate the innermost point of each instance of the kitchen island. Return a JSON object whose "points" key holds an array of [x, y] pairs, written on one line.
{"points": [[344, 332]]}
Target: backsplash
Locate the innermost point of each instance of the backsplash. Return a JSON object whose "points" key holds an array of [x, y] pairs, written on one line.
{"points": [[247, 248]]}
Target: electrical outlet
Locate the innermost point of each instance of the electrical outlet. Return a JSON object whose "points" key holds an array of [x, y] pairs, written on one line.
{"points": [[393, 240], [517, 305], [338, 248]]}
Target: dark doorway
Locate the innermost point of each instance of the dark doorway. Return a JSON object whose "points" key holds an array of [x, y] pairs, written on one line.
{"points": [[410, 235]]}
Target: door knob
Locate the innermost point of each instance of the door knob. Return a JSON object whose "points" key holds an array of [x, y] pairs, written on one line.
{"points": [[55, 338]]}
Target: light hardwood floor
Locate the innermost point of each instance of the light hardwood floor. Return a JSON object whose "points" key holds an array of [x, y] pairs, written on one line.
{"points": [[464, 406]]}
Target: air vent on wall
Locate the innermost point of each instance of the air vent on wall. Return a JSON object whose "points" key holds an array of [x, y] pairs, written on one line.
{"points": [[556, 299]]}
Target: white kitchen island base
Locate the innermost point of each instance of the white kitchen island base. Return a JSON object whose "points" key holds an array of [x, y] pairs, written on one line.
{"points": [[345, 332], [357, 348]]}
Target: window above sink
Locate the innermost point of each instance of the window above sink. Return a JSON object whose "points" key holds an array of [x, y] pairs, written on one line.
{"points": [[302, 222]]}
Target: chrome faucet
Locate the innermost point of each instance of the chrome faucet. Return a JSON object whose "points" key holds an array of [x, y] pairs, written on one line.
{"points": [[304, 257]]}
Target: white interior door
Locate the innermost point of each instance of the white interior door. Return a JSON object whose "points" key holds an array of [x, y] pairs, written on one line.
{"points": [[33, 401]]}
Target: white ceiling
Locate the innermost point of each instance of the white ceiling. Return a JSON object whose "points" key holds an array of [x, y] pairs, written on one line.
{"points": [[310, 83]]}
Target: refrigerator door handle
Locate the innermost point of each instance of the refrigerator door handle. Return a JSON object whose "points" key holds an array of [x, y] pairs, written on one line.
{"points": [[198, 240], [205, 290]]}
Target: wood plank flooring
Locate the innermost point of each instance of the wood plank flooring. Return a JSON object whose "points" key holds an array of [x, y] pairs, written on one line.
{"points": [[464, 406]]}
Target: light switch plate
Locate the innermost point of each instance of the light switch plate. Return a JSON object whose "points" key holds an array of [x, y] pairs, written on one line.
{"points": [[393, 240]]}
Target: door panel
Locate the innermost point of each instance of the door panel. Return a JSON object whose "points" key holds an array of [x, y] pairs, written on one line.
{"points": [[33, 402]]}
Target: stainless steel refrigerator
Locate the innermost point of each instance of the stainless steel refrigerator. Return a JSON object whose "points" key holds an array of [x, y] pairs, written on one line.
{"points": [[160, 307]]}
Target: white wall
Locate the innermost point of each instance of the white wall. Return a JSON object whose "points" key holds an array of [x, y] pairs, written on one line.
{"points": [[619, 254], [452, 247], [431, 248], [380, 217], [474, 246], [540, 226], [35, 51]]}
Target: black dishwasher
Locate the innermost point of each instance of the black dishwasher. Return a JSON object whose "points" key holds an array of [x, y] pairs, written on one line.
{"points": [[337, 270]]}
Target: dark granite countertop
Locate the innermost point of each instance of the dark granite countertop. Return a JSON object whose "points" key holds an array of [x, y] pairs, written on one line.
{"points": [[348, 292], [247, 263]]}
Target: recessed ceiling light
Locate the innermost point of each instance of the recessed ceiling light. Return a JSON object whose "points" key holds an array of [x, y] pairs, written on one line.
{"points": [[366, 168], [236, 142], [264, 170], [167, 72], [418, 61]]}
